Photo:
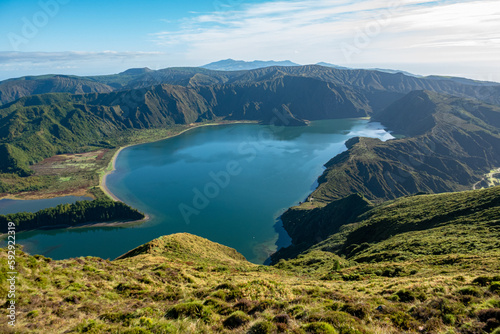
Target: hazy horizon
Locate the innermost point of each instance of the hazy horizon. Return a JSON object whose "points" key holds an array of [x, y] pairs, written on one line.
{"points": [[424, 37]]}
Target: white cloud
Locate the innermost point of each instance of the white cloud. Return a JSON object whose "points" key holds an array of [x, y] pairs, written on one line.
{"points": [[15, 64], [380, 31], [12, 57]]}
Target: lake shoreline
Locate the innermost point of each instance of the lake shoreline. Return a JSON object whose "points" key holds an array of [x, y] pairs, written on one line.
{"points": [[102, 185], [316, 144]]}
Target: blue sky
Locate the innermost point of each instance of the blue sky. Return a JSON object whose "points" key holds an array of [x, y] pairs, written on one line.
{"points": [[447, 37]]}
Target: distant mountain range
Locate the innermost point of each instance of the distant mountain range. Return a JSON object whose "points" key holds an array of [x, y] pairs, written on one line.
{"points": [[241, 65], [92, 111], [221, 72]]}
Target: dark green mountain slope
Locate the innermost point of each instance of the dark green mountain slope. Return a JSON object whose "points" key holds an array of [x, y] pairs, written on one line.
{"points": [[379, 87], [44, 125], [450, 223], [182, 76], [416, 226], [13, 89], [454, 142], [41, 126]]}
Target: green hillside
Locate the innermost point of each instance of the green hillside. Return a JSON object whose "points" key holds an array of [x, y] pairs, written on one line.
{"points": [[14, 89], [425, 263], [44, 125], [411, 227], [451, 142], [385, 244]]}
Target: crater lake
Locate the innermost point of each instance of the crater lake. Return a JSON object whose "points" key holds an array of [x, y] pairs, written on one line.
{"points": [[226, 183]]}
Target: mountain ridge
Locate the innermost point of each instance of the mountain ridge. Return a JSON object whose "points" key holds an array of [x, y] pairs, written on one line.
{"points": [[237, 65], [448, 149], [373, 81]]}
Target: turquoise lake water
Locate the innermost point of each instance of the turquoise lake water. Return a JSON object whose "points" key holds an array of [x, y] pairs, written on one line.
{"points": [[13, 205], [226, 183]]}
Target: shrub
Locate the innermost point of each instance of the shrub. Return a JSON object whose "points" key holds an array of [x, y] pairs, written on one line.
{"points": [[491, 313], [333, 305], [282, 318], [188, 310], [495, 287], [118, 317], [297, 311], [470, 291], [164, 328], [351, 277], [402, 320], [166, 295], [263, 327], [73, 299], [405, 296], [88, 326], [136, 330], [344, 322], [146, 322], [236, 319], [218, 306], [128, 289], [244, 305], [32, 314], [356, 309], [392, 272], [449, 319], [424, 312], [482, 280], [347, 329], [444, 306], [264, 305], [219, 294], [320, 328]]}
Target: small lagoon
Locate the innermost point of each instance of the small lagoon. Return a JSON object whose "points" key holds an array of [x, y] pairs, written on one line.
{"points": [[14, 205]]}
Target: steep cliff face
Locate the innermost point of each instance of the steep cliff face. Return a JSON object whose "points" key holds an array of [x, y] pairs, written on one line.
{"points": [[44, 125], [453, 141]]}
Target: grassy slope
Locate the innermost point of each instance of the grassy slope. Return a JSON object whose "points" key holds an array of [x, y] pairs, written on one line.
{"points": [[183, 284], [463, 223]]}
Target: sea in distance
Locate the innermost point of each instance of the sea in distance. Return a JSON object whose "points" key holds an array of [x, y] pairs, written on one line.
{"points": [[227, 183]]}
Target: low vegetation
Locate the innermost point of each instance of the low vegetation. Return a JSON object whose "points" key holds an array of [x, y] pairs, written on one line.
{"points": [[186, 284]]}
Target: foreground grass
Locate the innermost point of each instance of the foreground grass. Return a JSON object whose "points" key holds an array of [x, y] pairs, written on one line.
{"points": [[186, 284]]}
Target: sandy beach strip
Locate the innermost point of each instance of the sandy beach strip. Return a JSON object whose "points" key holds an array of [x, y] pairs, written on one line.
{"points": [[109, 170]]}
